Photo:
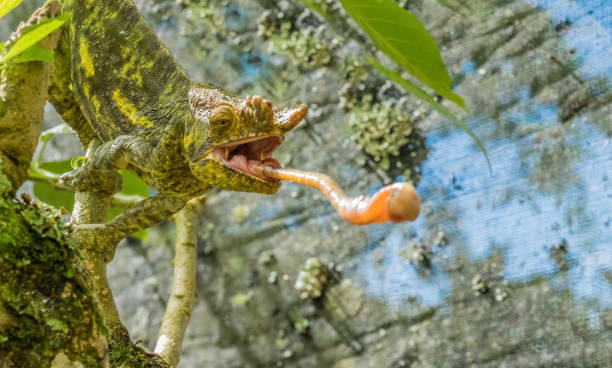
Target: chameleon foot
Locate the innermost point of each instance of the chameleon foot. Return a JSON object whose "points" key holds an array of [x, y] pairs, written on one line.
{"points": [[83, 180]]}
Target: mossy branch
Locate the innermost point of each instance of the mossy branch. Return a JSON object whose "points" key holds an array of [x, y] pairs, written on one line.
{"points": [[48, 315], [179, 307]]}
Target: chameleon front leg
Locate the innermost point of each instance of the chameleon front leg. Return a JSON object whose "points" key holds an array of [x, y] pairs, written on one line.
{"points": [[99, 173], [142, 215]]}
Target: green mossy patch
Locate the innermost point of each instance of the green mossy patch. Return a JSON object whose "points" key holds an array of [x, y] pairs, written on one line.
{"points": [[130, 355], [43, 290]]}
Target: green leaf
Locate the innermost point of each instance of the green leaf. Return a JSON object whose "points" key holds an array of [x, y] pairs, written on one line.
{"points": [[2, 47], [400, 35], [58, 129], [133, 185], [35, 34], [8, 5], [421, 94], [35, 53], [57, 167], [50, 194]]}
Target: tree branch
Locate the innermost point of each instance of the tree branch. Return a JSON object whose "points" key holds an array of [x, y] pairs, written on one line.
{"points": [[92, 208], [23, 94], [179, 307]]}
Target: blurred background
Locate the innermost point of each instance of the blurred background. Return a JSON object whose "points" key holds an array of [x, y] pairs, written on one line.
{"points": [[511, 268]]}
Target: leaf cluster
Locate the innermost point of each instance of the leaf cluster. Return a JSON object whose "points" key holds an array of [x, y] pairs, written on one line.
{"points": [[25, 49]]}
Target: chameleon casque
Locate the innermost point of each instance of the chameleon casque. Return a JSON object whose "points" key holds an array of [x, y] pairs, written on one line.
{"points": [[181, 137]]}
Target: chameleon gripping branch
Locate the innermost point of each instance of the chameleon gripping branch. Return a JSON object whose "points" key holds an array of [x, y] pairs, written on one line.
{"points": [[396, 202]]}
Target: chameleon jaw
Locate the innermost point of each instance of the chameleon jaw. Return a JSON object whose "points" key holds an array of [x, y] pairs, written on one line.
{"points": [[246, 154]]}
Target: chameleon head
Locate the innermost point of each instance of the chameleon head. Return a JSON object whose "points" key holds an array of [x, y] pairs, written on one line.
{"points": [[228, 136]]}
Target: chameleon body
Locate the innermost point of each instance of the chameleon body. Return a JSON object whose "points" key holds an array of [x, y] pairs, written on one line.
{"points": [[179, 136]]}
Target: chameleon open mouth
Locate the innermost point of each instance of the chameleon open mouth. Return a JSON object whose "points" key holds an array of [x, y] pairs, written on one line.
{"points": [[243, 155]]}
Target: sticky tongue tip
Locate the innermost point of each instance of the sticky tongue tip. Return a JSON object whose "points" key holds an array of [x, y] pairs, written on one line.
{"points": [[404, 204]]}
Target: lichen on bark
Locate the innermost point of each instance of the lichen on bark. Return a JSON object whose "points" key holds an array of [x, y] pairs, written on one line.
{"points": [[45, 302], [50, 315]]}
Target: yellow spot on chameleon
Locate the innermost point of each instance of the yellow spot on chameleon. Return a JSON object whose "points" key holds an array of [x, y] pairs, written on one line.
{"points": [[86, 88], [86, 60], [138, 77], [125, 52], [127, 66], [129, 110], [95, 103], [187, 140]]}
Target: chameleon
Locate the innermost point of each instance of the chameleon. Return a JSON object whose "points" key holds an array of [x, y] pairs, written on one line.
{"points": [[181, 137]]}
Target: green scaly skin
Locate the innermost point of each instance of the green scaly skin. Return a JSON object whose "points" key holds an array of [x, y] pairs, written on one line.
{"points": [[151, 118]]}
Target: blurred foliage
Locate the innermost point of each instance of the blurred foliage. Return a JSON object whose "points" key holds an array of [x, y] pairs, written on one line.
{"points": [[24, 48], [7, 5], [35, 53], [51, 194]]}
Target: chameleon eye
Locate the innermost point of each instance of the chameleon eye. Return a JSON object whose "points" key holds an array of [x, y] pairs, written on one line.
{"points": [[222, 117]]}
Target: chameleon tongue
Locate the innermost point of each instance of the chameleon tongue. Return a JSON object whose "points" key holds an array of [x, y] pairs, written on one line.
{"points": [[240, 162], [396, 202], [252, 166]]}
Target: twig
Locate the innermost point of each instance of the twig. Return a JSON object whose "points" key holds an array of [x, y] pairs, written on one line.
{"points": [[92, 208], [125, 201], [179, 307]]}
